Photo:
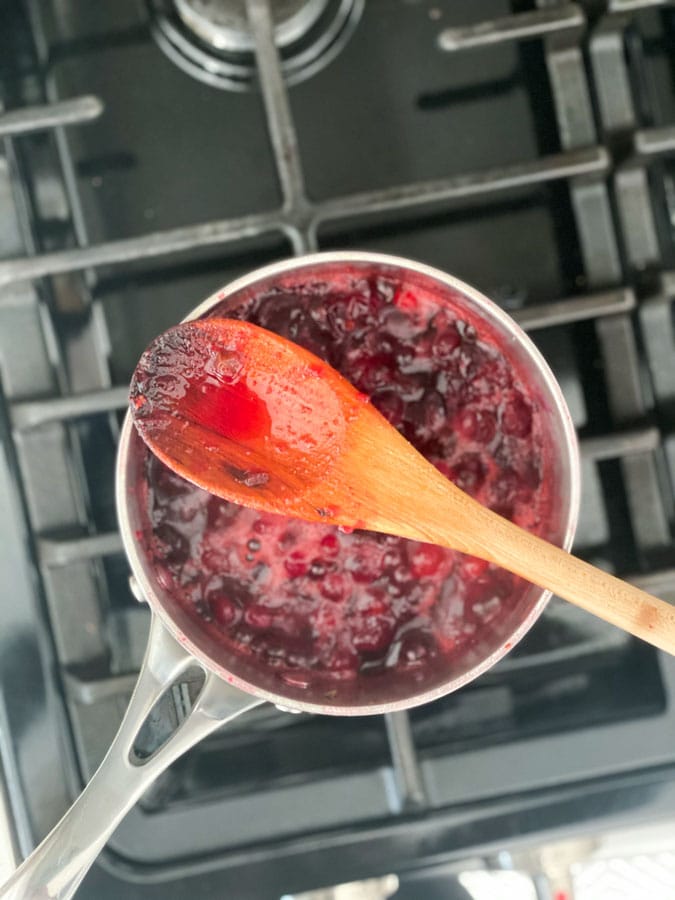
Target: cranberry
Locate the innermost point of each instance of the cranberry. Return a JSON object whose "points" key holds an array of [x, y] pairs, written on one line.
{"points": [[366, 563], [383, 289], [296, 565], [405, 357], [416, 647], [478, 425], [492, 583], [517, 417], [168, 485], [505, 510], [411, 388], [373, 343], [335, 316], [443, 467], [391, 405], [371, 372], [378, 604], [289, 624], [224, 610], [510, 486], [287, 540], [530, 474], [424, 559], [335, 587], [402, 574], [373, 634], [172, 546], [445, 343], [358, 306], [330, 544], [392, 558], [258, 616], [282, 314], [342, 663], [472, 567], [407, 301], [470, 361], [220, 513], [494, 377], [468, 473], [426, 418]]}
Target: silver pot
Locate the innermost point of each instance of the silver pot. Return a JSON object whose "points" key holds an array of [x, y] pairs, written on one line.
{"points": [[235, 684]]}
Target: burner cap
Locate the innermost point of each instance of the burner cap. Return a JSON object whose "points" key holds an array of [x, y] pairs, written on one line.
{"points": [[212, 41], [224, 24]]}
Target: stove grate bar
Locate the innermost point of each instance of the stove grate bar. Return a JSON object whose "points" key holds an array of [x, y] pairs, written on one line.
{"points": [[281, 128], [519, 27], [554, 167], [50, 115], [655, 141]]}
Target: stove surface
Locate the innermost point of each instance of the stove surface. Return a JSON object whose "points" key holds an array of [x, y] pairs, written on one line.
{"points": [[527, 148]]}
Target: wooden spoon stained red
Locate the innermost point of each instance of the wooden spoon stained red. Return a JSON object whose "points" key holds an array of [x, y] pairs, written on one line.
{"points": [[256, 419]]}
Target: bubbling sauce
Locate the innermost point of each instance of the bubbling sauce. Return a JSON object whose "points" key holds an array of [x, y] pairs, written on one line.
{"points": [[311, 601]]}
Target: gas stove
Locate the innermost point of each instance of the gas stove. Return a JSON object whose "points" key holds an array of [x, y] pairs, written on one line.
{"points": [[155, 150]]}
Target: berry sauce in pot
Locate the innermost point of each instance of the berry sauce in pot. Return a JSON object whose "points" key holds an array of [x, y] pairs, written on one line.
{"points": [[311, 601]]}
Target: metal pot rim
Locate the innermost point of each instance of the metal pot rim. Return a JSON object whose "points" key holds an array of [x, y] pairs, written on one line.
{"points": [[494, 313]]}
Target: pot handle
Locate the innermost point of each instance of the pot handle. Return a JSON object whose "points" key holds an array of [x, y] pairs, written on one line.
{"points": [[55, 869]]}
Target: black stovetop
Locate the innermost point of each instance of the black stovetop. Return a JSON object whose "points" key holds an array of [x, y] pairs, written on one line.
{"points": [[539, 167]]}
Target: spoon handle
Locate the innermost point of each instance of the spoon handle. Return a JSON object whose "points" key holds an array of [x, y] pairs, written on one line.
{"points": [[599, 593]]}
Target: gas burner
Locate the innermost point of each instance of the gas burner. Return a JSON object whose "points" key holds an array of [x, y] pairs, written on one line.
{"points": [[223, 24], [211, 39]]}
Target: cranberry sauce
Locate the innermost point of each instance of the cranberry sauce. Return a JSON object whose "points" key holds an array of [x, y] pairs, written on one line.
{"points": [[311, 601]]}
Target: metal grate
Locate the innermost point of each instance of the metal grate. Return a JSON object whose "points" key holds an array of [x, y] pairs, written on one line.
{"points": [[610, 164]]}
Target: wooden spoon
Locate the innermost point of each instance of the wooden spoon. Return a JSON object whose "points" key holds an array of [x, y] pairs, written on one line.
{"points": [[258, 420]]}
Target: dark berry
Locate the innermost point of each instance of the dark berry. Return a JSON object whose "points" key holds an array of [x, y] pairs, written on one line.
{"points": [[416, 648], [258, 616], [424, 559], [224, 610], [330, 544], [173, 547], [445, 343], [296, 565], [366, 563], [517, 417], [468, 473], [335, 586], [391, 405], [373, 634], [478, 425]]}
